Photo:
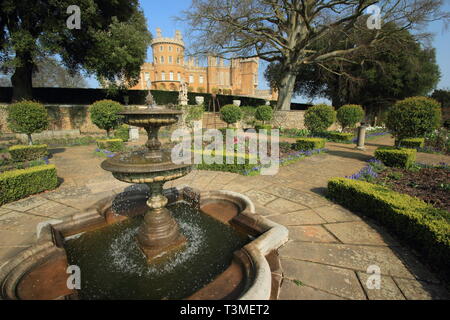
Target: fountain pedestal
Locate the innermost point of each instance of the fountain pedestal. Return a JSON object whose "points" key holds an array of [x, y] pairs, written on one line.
{"points": [[159, 234]]}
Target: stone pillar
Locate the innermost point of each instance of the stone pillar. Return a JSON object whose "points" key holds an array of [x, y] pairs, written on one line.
{"points": [[361, 137]]}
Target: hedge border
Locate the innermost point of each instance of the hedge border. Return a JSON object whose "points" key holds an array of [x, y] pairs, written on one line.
{"points": [[425, 228], [396, 157], [18, 184]]}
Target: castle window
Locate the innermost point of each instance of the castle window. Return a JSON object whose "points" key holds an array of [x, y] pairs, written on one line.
{"points": [[162, 59], [146, 79], [163, 76], [178, 60], [156, 59], [161, 48], [170, 59], [200, 80], [171, 76], [191, 78], [179, 76], [170, 48], [178, 49]]}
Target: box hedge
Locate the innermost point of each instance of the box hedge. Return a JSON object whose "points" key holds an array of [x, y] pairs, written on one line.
{"points": [[396, 157], [425, 228], [113, 145], [413, 143], [309, 144], [20, 153], [339, 136], [17, 184]]}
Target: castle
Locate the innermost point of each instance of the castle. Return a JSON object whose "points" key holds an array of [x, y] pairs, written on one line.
{"points": [[169, 68]]}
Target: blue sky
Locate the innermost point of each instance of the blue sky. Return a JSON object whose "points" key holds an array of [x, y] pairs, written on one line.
{"points": [[161, 14]]}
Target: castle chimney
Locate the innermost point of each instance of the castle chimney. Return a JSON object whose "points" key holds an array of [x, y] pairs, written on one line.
{"points": [[178, 35], [158, 33]]}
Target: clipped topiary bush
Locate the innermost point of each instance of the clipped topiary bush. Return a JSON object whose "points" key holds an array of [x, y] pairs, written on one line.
{"points": [[230, 114], [27, 117], [264, 113], [413, 143], [339, 136], [424, 227], [122, 133], [413, 117], [104, 115], [20, 153], [319, 118], [396, 157], [17, 184], [349, 115], [305, 144], [114, 145]]}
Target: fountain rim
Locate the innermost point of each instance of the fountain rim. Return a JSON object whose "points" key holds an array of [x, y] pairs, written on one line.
{"points": [[150, 111]]}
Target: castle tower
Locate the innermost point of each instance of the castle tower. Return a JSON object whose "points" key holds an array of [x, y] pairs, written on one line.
{"points": [[168, 62]]}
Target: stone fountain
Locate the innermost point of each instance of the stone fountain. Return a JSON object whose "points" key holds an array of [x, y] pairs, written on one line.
{"points": [[159, 234], [202, 245]]}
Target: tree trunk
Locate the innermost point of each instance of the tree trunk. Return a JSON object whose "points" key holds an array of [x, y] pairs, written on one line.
{"points": [[30, 139], [286, 91], [22, 78]]}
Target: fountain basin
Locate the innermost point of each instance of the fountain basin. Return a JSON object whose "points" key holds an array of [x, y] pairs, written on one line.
{"points": [[253, 273]]}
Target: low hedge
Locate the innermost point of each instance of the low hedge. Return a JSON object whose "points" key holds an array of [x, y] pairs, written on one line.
{"points": [[339, 136], [113, 145], [267, 127], [20, 153], [17, 184], [396, 157], [235, 167], [309, 144], [122, 133], [424, 227], [413, 143]]}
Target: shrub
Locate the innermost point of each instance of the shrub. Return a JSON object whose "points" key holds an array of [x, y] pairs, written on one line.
{"points": [[413, 143], [295, 132], [264, 113], [17, 184], [396, 157], [194, 113], [248, 115], [339, 136], [424, 227], [309, 144], [349, 115], [413, 117], [114, 145], [230, 114], [267, 127], [27, 117], [122, 133], [104, 114], [319, 118], [21, 153]]}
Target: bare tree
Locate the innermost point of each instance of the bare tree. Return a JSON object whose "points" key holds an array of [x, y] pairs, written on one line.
{"points": [[298, 32]]}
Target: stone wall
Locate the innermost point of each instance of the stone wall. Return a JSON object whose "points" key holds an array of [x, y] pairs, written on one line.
{"points": [[293, 119], [62, 117]]}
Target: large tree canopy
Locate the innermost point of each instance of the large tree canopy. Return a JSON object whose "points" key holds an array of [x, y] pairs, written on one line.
{"points": [[376, 77], [295, 33], [111, 43]]}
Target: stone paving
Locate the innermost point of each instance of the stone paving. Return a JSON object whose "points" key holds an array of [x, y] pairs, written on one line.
{"points": [[329, 250]]}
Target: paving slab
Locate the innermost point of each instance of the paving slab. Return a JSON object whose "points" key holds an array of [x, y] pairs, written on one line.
{"points": [[53, 209], [359, 232], [388, 289], [260, 196], [338, 281], [291, 291], [297, 218], [310, 233], [26, 204], [4, 211], [16, 238], [303, 198], [419, 290], [347, 256], [284, 206], [335, 213], [18, 221]]}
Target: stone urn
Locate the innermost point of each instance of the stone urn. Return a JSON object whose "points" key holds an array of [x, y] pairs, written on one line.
{"points": [[199, 100], [237, 103]]}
